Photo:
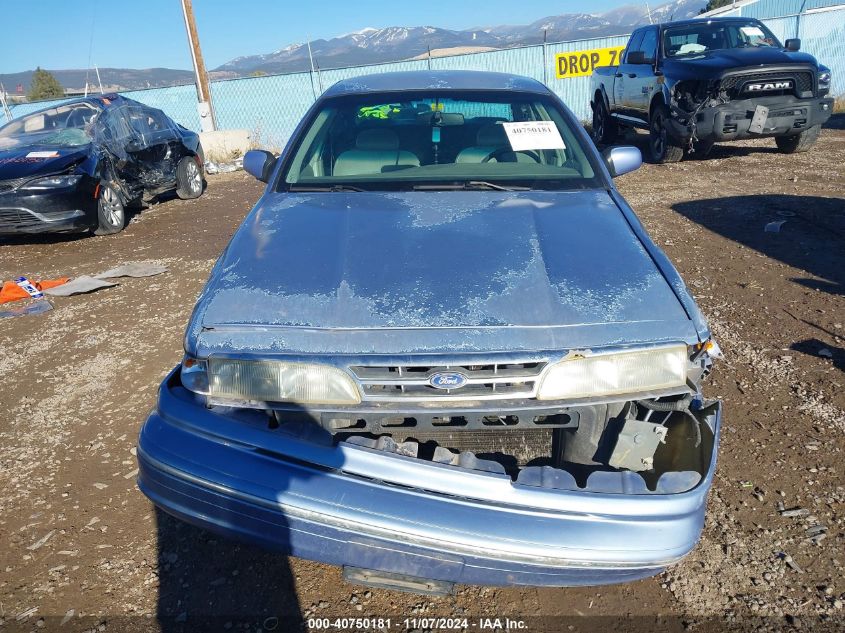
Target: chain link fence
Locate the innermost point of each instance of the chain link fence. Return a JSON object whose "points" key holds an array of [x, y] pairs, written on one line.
{"points": [[271, 106]]}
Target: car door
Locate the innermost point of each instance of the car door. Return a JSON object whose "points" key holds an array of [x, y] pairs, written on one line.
{"points": [[624, 72], [640, 81], [151, 146]]}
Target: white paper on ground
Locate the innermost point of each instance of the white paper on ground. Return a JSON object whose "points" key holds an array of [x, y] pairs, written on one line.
{"points": [[528, 135]]}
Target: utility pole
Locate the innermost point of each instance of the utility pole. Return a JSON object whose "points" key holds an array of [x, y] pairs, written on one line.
{"points": [[6, 110], [204, 107]]}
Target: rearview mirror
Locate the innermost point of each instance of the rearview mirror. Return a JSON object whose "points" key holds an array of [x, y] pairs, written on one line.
{"points": [[793, 44], [441, 119], [622, 160], [259, 163]]}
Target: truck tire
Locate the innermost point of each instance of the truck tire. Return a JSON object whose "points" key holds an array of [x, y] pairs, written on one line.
{"points": [[664, 148], [188, 178], [605, 129], [798, 143]]}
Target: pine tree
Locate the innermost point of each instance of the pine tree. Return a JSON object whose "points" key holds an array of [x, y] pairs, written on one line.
{"points": [[716, 4], [44, 86]]}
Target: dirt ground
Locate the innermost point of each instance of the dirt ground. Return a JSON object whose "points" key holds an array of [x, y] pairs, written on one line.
{"points": [[82, 549]]}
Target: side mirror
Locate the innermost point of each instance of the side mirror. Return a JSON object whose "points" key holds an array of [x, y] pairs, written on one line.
{"points": [[793, 44], [259, 163], [638, 58], [622, 160]]}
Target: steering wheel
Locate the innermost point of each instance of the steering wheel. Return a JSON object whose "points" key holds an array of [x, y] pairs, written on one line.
{"points": [[501, 151]]}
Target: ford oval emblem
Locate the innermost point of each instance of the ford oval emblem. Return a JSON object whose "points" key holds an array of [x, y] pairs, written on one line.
{"points": [[447, 380]]}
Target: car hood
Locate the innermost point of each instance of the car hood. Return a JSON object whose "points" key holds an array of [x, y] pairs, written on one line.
{"points": [[711, 64], [35, 160], [428, 270]]}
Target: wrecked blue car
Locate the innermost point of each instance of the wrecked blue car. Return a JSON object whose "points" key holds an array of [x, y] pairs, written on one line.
{"points": [[442, 349]]}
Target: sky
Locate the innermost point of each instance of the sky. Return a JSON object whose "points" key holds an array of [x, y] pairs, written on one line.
{"points": [[61, 34]]}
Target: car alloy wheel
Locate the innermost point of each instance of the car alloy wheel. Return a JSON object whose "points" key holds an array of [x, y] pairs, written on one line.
{"points": [[194, 177], [111, 213]]}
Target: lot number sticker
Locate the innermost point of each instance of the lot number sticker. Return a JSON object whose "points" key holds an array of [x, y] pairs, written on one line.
{"points": [[525, 135], [582, 63]]}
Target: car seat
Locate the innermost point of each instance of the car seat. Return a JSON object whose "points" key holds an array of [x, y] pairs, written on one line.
{"points": [[491, 138], [376, 151]]}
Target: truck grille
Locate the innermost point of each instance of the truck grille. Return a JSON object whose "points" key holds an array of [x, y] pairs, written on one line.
{"points": [[803, 82], [483, 382]]}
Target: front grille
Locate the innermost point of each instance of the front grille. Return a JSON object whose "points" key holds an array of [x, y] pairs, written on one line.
{"points": [[483, 382], [9, 216], [803, 82]]}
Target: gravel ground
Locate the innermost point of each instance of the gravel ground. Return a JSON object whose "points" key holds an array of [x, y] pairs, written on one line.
{"points": [[84, 550]]}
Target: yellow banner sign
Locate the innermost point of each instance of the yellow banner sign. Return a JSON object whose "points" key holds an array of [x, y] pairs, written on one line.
{"points": [[582, 63]]}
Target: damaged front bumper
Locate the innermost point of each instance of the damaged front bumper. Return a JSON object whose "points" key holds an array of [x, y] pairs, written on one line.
{"points": [[64, 211], [732, 120], [356, 506]]}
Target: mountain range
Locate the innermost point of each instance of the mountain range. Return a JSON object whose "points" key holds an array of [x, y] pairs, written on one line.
{"points": [[371, 45], [375, 45]]}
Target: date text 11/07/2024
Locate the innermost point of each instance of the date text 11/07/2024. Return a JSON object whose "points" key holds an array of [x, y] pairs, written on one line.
{"points": [[433, 623]]}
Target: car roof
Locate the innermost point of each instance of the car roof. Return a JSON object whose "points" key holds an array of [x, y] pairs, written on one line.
{"points": [[101, 102], [435, 80]]}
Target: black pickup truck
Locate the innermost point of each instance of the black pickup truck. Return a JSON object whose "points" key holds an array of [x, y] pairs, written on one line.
{"points": [[693, 83]]}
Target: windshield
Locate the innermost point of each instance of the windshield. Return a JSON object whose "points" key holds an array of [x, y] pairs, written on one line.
{"points": [[427, 140], [692, 39], [64, 126]]}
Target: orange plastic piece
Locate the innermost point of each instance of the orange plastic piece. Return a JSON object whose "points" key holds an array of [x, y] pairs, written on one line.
{"points": [[12, 292]]}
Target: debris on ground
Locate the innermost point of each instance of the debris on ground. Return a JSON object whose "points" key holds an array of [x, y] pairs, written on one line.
{"points": [[39, 306], [79, 285], [134, 269], [213, 168], [23, 288]]}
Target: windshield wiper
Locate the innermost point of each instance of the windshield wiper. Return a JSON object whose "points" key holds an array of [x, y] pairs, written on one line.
{"points": [[470, 185], [325, 188]]}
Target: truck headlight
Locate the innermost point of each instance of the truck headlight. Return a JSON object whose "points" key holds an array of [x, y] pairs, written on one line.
{"points": [[270, 381], [824, 81], [636, 371], [52, 182]]}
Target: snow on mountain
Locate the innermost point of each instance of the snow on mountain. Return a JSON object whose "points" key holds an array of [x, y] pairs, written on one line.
{"points": [[372, 45]]}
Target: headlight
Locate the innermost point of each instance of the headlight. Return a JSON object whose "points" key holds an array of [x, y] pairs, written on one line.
{"points": [[270, 381], [824, 80], [608, 374], [52, 182]]}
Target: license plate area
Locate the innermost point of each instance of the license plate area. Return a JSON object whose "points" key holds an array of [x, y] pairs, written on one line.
{"points": [[758, 121]]}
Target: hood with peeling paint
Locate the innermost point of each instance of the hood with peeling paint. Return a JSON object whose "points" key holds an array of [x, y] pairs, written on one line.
{"points": [[437, 260]]}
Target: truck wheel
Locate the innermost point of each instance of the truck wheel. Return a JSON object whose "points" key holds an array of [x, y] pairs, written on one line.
{"points": [[604, 125], [188, 178], [111, 212], [664, 148], [798, 142]]}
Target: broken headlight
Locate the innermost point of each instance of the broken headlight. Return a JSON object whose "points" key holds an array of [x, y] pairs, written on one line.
{"points": [[52, 182], [638, 371], [269, 381]]}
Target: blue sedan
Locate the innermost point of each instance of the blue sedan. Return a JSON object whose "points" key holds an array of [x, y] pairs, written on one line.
{"points": [[442, 349]]}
